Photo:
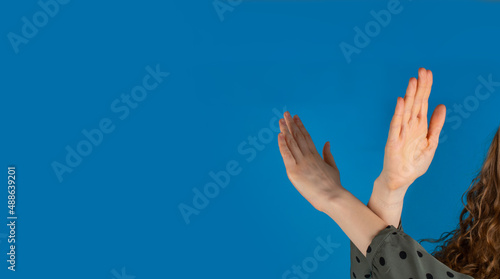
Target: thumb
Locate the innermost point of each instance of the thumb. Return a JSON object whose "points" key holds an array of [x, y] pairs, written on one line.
{"points": [[435, 126], [327, 155]]}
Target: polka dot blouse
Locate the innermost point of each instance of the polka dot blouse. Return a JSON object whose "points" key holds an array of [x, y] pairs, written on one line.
{"points": [[394, 254]]}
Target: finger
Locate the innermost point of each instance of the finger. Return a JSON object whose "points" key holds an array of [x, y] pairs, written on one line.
{"points": [[292, 145], [287, 155], [296, 133], [425, 101], [306, 134], [283, 127], [419, 96], [397, 119], [436, 125], [409, 98], [327, 155]]}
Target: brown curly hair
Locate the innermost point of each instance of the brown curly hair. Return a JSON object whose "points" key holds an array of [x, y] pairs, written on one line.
{"points": [[474, 248]]}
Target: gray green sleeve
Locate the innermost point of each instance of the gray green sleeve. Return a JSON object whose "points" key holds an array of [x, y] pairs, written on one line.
{"points": [[394, 254]]}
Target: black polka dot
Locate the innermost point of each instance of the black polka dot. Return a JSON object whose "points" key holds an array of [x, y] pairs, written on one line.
{"points": [[419, 254], [394, 233], [402, 255], [367, 276], [369, 249], [429, 276], [354, 275], [382, 261], [388, 227], [450, 274], [357, 259]]}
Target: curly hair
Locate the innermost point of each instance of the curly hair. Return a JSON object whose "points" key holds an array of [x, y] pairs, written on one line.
{"points": [[474, 248]]}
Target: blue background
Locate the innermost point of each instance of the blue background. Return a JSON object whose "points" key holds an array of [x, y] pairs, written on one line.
{"points": [[119, 207]]}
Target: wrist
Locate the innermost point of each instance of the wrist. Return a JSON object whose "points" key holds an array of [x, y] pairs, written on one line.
{"points": [[329, 202], [392, 182], [387, 193]]}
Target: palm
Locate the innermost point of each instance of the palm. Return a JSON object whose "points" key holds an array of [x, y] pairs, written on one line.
{"points": [[412, 144]]}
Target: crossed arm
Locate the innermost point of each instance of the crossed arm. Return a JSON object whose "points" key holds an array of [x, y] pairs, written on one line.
{"points": [[409, 150]]}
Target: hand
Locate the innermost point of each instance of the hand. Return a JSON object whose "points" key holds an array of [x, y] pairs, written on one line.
{"points": [[411, 146], [317, 179]]}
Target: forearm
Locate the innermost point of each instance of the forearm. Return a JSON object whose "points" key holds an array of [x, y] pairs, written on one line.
{"points": [[355, 219], [385, 203]]}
